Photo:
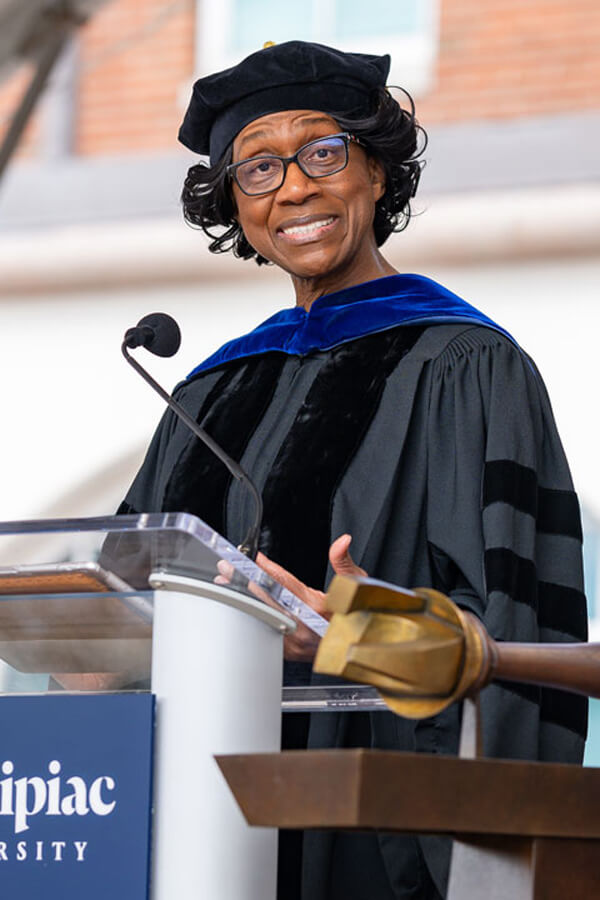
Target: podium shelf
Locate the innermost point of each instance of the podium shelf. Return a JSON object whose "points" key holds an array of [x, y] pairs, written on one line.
{"points": [[422, 793]]}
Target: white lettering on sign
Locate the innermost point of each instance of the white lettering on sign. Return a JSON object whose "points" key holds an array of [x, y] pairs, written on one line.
{"points": [[25, 797], [97, 804], [80, 849], [42, 851], [38, 800], [6, 789], [77, 801], [58, 849]]}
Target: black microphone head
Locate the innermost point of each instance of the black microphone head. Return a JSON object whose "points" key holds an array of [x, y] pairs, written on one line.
{"points": [[161, 334]]}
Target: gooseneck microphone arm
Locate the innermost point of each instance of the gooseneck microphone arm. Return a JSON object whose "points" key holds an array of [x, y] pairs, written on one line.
{"points": [[142, 336]]}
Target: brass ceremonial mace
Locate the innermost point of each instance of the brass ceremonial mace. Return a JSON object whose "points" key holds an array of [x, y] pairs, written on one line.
{"points": [[520, 830], [422, 652]]}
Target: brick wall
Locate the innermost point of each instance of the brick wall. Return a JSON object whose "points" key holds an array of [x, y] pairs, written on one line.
{"points": [[137, 57], [504, 58], [511, 58]]}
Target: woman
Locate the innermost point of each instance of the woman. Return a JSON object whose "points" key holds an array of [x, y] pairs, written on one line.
{"points": [[381, 407]]}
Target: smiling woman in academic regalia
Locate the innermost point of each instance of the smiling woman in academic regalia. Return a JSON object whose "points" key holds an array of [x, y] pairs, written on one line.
{"points": [[380, 406]]}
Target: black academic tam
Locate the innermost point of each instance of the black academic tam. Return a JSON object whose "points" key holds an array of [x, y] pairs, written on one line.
{"points": [[293, 75]]}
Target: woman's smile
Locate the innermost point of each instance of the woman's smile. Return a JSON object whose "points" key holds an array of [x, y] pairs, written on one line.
{"points": [[305, 229]]}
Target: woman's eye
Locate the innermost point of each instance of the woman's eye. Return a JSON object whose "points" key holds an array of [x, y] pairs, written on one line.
{"points": [[263, 167], [320, 153]]}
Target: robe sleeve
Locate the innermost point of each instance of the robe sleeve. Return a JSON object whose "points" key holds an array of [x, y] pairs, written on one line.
{"points": [[504, 530]]}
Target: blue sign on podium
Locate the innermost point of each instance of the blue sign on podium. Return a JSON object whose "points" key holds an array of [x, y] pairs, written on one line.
{"points": [[75, 796]]}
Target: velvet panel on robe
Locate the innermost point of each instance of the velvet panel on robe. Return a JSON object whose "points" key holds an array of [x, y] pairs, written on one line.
{"points": [[436, 448]]}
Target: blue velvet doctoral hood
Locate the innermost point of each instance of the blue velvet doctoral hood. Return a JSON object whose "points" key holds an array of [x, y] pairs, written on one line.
{"points": [[349, 314]]}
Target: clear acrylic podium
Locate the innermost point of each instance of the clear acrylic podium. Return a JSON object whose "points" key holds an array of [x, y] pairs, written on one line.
{"points": [[161, 602]]}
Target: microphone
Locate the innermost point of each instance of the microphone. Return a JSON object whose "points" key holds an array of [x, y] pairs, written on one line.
{"points": [[160, 334]]}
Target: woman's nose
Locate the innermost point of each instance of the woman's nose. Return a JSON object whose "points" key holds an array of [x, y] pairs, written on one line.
{"points": [[297, 186]]}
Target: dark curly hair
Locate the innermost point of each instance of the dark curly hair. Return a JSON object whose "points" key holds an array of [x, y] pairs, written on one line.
{"points": [[391, 134]]}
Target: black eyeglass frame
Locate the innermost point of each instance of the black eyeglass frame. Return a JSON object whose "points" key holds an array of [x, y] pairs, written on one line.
{"points": [[348, 138]]}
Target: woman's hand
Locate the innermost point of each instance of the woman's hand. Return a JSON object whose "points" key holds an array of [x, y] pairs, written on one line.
{"points": [[301, 646]]}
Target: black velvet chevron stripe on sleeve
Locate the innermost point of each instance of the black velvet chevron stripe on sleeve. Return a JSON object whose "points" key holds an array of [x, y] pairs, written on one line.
{"points": [[558, 607], [555, 511], [562, 609], [558, 513], [505, 481], [511, 574], [558, 707]]}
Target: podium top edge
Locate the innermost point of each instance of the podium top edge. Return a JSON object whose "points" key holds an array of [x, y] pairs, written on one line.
{"points": [[170, 521]]}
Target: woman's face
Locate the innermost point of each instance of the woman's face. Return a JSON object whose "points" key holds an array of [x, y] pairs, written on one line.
{"points": [[334, 214]]}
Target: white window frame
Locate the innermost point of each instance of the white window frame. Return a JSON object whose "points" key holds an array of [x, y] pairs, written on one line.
{"points": [[413, 55]]}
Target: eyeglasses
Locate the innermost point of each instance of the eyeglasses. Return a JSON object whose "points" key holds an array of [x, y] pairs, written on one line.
{"points": [[317, 159]]}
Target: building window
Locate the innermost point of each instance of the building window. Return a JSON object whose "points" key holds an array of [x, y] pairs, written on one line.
{"points": [[406, 29]]}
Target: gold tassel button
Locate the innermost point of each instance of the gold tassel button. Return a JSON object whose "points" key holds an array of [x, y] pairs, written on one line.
{"points": [[268, 44]]}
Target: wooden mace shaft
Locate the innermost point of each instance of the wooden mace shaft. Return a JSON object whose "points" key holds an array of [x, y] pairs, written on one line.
{"points": [[570, 667]]}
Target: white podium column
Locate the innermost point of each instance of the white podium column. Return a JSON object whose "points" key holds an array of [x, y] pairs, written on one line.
{"points": [[216, 672]]}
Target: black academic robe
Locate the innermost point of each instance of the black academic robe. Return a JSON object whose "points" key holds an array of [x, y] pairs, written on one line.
{"points": [[435, 447]]}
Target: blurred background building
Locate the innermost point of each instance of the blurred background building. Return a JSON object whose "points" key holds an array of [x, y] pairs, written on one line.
{"points": [[92, 237]]}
